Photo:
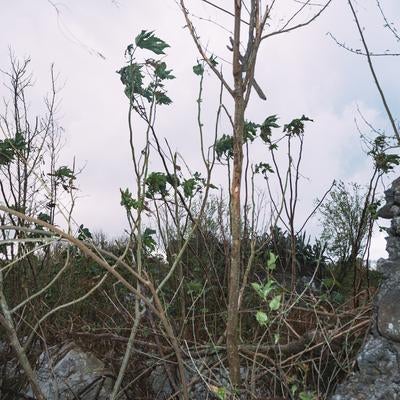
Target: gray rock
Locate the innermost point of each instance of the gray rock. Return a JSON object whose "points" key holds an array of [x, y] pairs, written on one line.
{"points": [[393, 247], [389, 211], [377, 358], [378, 375], [389, 315], [69, 373], [395, 226]]}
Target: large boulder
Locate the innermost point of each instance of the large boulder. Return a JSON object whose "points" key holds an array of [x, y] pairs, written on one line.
{"points": [[69, 373]]}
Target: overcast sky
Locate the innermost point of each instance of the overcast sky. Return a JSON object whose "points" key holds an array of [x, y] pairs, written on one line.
{"points": [[303, 72]]}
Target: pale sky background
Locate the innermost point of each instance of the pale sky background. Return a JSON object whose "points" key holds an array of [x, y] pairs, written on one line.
{"points": [[303, 72]]}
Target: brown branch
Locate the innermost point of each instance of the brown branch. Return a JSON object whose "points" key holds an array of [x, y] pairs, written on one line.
{"points": [[372, 69], [302, 25], [196, 40]]}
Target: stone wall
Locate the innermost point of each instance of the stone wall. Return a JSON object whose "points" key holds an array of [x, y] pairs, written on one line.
{"points": [[378, 373]]}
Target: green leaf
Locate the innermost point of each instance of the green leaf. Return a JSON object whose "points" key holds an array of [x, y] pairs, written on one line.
{"points": [[264, 290], [257, 287], [128, 201], [84, 233], [147, 40], [198, 69], [307, 396], [147, 239], [264, 169], [296, 127], [161, 98], [194, 288], [293, 389], [276, 338], [266, 128], [271, 262], [10, 147], [65, 177], [162, 72], [275, 303], [250, 131], [64, 172], [132, 78], [189, 186], [224, 147], [156, 184], [219, 391], [213, 61], [262, 318]]}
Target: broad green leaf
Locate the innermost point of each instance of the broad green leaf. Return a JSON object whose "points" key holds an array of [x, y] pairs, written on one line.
{"points": [[257, 287], [275, 303], [307, 396], [189, 186], [271, 263], [10, 147], [293, 389], [64, 173], [264, 290], [132, 78], [128, 201], [296, 126], [268, 287], [147, 40], [224, 147], [221, 393], [147, 239], [156, 184], [162, 72], [218, 391], [264, 169], [162, 98], [198, 69], [213, 60], [250, 131], [266, 128], [194, 287], [262, 318]]}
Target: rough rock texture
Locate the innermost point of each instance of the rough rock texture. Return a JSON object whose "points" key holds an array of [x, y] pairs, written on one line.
{"points": [[70, 373], [378, 375]]}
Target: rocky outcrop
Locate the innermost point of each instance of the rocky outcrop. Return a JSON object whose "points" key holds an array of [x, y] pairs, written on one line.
{"points": [[64, 372], [70, 373], [378, 375]]}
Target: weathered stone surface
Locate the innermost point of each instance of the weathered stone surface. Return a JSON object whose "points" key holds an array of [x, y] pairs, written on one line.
{"points": [[392, 196], [393, 247], [389, 211], [395, 226], [378, 375], [69, 373], [389, 315], [377, 358], [387, 267]]}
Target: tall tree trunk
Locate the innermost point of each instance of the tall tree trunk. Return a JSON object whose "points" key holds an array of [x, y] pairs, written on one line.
{"points": [[234, 273]]}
